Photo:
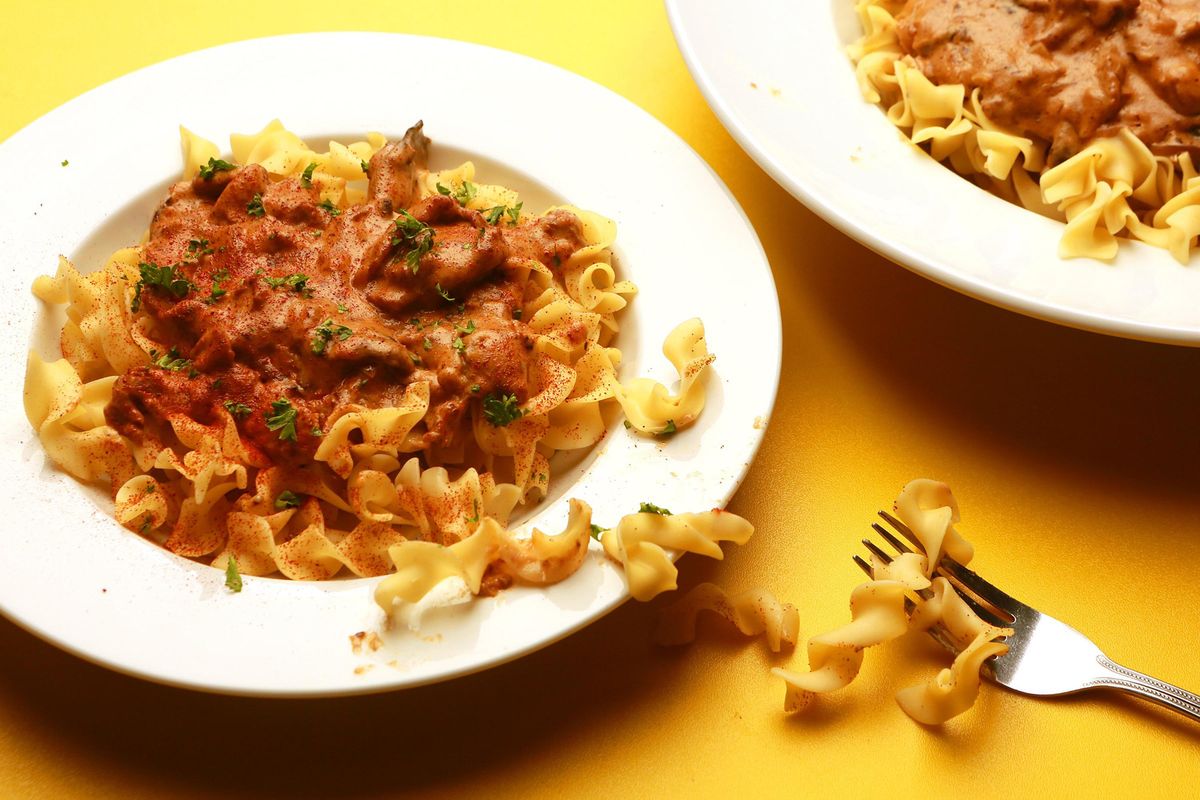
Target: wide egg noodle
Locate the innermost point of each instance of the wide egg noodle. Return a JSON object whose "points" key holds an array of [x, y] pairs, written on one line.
{"points": [[639, 543], [649, 406], [753, 612], [1090, 192]]}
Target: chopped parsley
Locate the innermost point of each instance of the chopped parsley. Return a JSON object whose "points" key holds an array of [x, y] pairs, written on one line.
{"points": [[518, 312], [255, 207], [236, 409], [493, 214], [216, 293], [169, 279], [214, 166], [316, 431], [650, 508], [328, 205], [474, 519], [445, 295], [296, 281], [233, 580], [306, 176], [171, 360], [197, 248], [342, 308], [500, 410], [459, 345], [474, 388], [65, 162], [287, 499], [366, 168], [669, 430], [325, 332], [282, 418], [464, 194], [416, 359], [414, 234], [428, 343], [466, 330], [596, 531]]}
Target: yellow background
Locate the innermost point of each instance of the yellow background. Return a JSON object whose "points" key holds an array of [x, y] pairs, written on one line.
{"points": [[1073, 455]]}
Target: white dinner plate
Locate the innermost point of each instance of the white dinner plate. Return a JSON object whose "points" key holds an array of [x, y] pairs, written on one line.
{"points": [[777, 75], [74, 577]]}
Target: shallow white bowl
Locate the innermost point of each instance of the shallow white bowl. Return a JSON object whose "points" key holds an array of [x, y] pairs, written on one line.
{"points": [[777, 75], [74, 577]]}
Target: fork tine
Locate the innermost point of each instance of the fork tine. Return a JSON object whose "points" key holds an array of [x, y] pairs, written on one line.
{"points": [[903, 529], [983, 611], [981, 588], [898, 545], [864, 566], [877, 551], [969, 596]]}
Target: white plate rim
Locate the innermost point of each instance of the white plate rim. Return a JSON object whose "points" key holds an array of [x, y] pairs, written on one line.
{"points": [[1038, 299], [671, 150]]}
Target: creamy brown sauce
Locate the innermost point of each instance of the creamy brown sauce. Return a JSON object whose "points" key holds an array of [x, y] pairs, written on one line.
{"points": [[1067, 71], [453, 323]]}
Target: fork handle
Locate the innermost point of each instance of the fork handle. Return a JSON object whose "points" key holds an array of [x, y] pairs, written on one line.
{"points": [[1133, 682]]}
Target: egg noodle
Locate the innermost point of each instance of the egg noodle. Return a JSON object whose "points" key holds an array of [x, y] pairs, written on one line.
{"points": [[1091, 192], [373, 499], [902, 596]]}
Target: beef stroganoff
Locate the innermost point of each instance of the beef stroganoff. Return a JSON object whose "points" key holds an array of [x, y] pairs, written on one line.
{"points": [[320, 360], [1087, 111]]}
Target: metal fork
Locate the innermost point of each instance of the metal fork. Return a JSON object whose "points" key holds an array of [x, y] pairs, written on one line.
{"points": [[1045, 656]]}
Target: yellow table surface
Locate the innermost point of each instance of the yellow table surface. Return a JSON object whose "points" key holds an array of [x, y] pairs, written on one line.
{"points": [[1074, 457]]}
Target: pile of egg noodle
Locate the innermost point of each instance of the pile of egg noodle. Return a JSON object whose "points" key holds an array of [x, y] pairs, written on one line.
{"points": [[902, 596], [1090, 192], [368, 505]]}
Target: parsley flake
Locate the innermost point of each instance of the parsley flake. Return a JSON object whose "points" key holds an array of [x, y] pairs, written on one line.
{"points": [[287, 499], [366, 168], [414, 234], [468, 329], [65, 162], [514, 213], [233, 579], [236, 409], [493, 214], [171, 360], [282, 418], [669, 430], [500, 410], [596, 531], [214, 166], [325, 332], [459, 345], [328, 205], [169, 279], [445, 295], [296, 281], [466, 193], [650, 508], [306, 176], [428, 343], [255, 207]]}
